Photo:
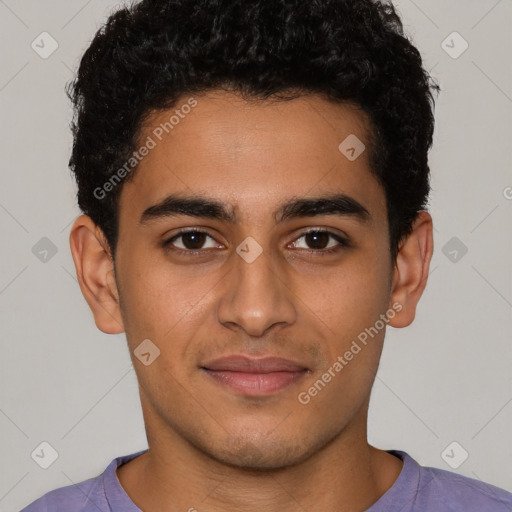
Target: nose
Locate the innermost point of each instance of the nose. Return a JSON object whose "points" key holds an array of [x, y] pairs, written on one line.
{"points": [[256, 295]]}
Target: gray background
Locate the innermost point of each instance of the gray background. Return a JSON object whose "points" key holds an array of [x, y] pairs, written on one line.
{"points": [[445, 378]]}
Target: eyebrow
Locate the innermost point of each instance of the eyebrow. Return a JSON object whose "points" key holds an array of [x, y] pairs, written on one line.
{"points": [[205, 207]]}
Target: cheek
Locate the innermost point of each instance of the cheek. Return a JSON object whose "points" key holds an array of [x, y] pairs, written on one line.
{"points": [[351, 295], [350, 303], [163, 302]]}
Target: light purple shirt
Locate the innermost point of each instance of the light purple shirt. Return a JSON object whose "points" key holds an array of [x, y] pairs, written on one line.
{"points": [[417, 489]]}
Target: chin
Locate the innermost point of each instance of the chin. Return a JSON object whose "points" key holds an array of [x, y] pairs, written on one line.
{"points": [[263, 454]]}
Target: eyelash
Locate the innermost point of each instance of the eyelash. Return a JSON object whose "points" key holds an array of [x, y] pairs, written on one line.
{"points": [[343, 242]]}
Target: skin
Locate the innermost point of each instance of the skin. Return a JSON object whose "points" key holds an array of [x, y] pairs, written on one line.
{"points": [[211, 449]]}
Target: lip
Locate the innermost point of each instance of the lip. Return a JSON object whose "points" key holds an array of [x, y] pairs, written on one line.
{"points": [[241, 363], [254, 376]]}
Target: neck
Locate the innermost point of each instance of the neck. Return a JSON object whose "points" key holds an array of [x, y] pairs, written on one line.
{"points": [[345, 475]]}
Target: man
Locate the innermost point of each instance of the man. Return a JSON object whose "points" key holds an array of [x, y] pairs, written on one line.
{"points": [[253, 177]]}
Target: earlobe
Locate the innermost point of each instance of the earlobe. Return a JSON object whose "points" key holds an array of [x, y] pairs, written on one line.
{"points": [[411, 270], [95, 273]]}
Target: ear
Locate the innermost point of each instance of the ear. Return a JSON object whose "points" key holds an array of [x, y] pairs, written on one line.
{"points": [[96, 275], [411, 269]]}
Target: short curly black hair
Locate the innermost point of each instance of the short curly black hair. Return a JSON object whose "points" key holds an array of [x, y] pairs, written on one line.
{"points": [[149, 54]]}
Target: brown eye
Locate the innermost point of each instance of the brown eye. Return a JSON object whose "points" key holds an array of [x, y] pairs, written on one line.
{"points": [[191, 241], [318, 240]]}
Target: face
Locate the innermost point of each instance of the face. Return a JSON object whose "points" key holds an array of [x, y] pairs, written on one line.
{"points": [[282, 293]]}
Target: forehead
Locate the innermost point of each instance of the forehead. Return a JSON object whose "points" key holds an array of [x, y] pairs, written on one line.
{"points": [[253, 155]]}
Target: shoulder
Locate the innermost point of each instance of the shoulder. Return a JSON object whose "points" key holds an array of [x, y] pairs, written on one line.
{"points": [[428, 489], [439, 489], [93, 495], [80, 497]]}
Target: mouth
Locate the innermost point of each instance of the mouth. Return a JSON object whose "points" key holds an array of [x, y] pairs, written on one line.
{"points": [[254, 377]]}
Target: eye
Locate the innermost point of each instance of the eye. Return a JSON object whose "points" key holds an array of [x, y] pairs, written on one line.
{"points": [[191, 241], [319, 239]]}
